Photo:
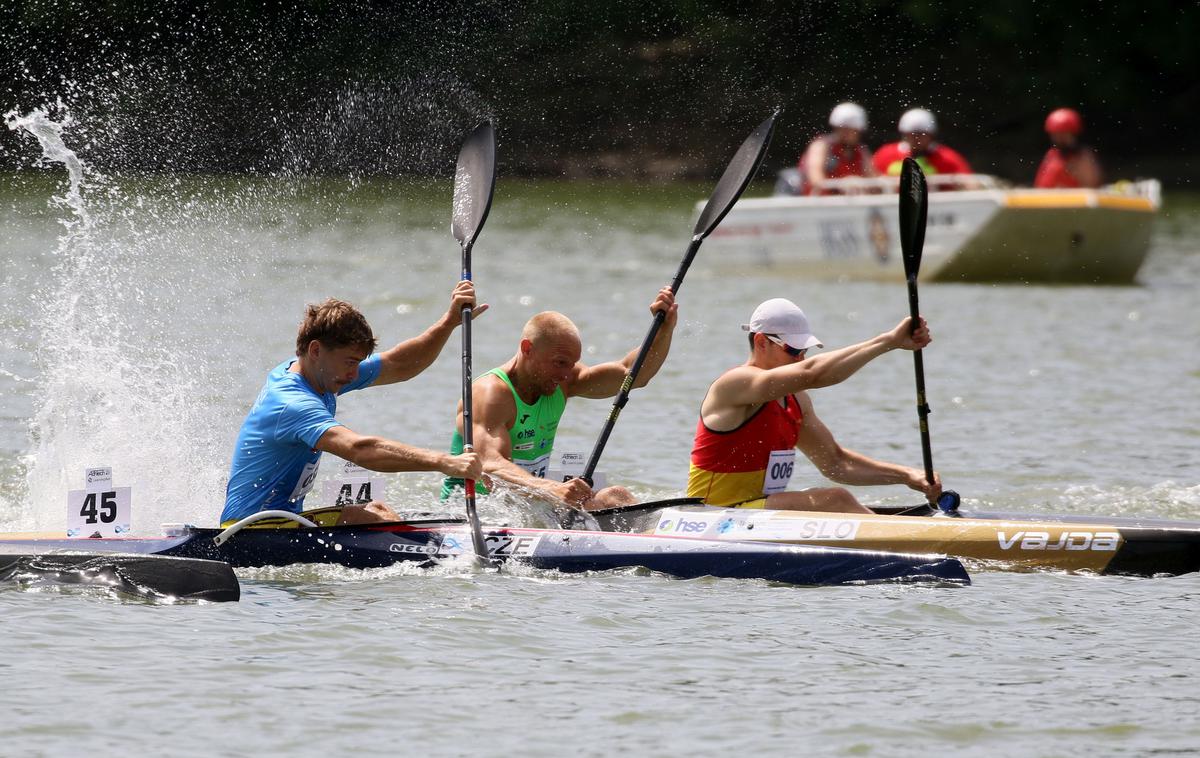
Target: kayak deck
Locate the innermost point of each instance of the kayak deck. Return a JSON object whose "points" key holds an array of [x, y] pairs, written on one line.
{"points": [[1133, 547], [570, 551]]}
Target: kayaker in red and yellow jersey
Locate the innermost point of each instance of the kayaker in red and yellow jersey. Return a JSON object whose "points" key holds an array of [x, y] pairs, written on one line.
{"points": [[917, 129], [839, 154], [756, 416], [1068, 163]]}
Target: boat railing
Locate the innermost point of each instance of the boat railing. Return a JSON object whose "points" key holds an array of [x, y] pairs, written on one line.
{"points": [[790, 183]]}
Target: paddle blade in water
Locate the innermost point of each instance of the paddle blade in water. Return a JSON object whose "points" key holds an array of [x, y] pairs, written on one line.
{"points": [[914, 206], [474, 180], [737, 176]]}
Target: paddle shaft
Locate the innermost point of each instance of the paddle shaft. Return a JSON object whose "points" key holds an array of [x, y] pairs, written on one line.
{"points": [[919, 368], [636, 368], [477, 540]]}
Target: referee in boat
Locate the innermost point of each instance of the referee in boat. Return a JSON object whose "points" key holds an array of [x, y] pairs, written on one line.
{"points": [[293, 420]]}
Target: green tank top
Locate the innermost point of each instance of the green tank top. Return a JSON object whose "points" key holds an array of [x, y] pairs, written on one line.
{"points": [[532, 436]]}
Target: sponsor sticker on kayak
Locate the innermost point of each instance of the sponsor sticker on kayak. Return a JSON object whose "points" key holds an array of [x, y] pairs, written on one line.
{"points": [[499, 545], [1067, 540], [755, 525], [767, 526], [690, 524]]}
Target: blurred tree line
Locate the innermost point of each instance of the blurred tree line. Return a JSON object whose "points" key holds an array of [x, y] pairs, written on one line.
{"points": [[595, 88]]}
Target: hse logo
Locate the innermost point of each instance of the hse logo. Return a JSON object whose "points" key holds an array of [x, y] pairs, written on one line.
{"points": [[1101, 541], [682, 526]]}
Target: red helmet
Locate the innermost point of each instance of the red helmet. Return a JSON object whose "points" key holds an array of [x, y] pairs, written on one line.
{"points": [[1064, 120]]}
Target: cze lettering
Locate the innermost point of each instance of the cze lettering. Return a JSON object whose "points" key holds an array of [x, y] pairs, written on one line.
{"points": [[105, 513], [1098, 541], [509, 545]]}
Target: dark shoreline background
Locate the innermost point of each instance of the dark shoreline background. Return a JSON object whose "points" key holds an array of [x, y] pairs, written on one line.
{"points": [[609, 88]]}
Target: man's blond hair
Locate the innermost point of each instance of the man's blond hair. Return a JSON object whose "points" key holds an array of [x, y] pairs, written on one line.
{"points": [[548, 326]]}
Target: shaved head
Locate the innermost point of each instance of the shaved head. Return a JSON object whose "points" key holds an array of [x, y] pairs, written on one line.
{"points": [[550, 327]]}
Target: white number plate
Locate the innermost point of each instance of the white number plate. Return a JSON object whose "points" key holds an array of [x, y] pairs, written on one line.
{"points": [[779, 471], [105, 512]]}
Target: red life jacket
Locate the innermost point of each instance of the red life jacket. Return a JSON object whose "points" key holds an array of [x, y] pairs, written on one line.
{"points": [[1054, 172], [939, 159], [840, 161]]}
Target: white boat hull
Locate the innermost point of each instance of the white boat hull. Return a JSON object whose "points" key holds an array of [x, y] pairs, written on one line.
{"points": [[1077, 236]]}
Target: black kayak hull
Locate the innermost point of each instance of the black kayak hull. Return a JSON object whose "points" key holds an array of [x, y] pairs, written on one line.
{"points": [[571, 551]]}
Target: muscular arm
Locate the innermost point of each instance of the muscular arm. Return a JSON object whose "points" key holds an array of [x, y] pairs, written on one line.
{"points": [[605, 379], [749, 386], [380, 454], [846, 466], [411, 357]]}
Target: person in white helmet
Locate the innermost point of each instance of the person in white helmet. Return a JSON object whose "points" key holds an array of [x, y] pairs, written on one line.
{"points": [[917, 129], [839, 154], [757, 415]]}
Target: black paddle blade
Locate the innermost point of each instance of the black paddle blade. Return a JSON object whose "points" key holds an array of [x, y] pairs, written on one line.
{"points": [[914, 207], [474, 180], [737, 176]]}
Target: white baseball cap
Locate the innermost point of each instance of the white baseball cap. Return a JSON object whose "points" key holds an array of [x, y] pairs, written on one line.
{"points": [[917, 120], [849, 116], [785, 320]]}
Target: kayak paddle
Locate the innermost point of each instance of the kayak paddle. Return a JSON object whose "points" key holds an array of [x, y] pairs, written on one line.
{"points": [[914, 208], [733, 182], [474, 181]]}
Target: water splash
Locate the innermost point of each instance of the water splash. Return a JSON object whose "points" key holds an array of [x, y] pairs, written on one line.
{"points": [[49, 133], [112, 387]]}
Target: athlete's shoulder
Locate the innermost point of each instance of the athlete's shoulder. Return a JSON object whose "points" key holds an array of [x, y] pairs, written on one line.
{"points": [[493, 399], [732, 380]]}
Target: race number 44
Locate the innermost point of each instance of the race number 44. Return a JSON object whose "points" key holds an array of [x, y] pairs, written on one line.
{"points": [[353, 484]]}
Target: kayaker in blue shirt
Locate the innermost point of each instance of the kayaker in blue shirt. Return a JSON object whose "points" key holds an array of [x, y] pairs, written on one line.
{"points": [[292, 421]]}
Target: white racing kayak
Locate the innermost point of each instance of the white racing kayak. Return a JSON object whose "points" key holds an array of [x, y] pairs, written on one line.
{"points": [[1099, 544]]}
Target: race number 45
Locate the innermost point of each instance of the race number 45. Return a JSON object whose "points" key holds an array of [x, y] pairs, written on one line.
{"points": [[99, 509]]}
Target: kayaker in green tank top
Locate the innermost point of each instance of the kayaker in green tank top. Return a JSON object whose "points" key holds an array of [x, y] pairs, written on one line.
{"points": [[531, 437], [517, 407]]}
